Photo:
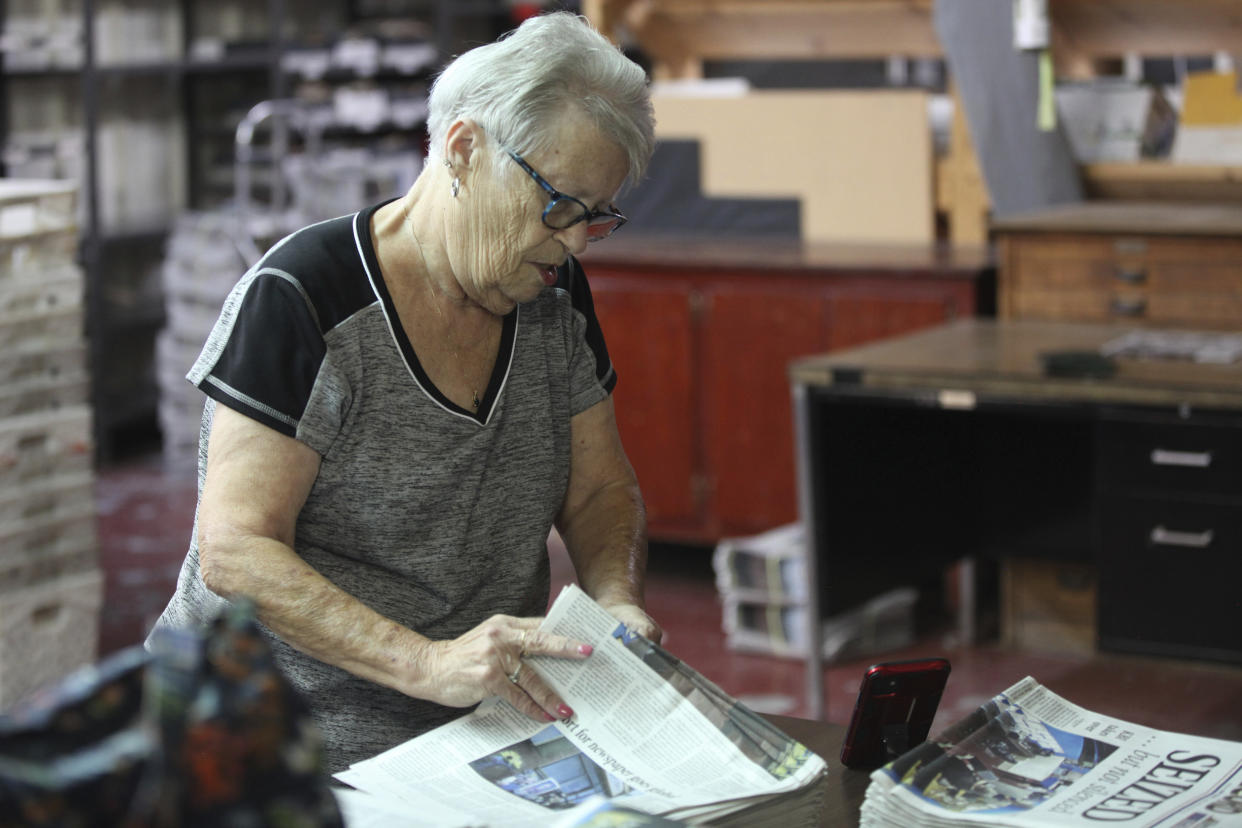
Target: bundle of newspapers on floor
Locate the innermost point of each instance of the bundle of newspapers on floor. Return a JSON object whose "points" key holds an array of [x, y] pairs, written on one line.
{"points": [[649, 736], [1028, 757]]}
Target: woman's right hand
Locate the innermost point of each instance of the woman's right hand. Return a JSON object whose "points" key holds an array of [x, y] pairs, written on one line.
{"points": [[487, 661]]}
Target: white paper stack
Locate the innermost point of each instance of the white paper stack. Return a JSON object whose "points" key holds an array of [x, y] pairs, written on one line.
{"points": [[763, 589]]}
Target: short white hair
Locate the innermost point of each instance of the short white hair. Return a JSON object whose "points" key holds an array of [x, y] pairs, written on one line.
{"points": [[517, 87]]}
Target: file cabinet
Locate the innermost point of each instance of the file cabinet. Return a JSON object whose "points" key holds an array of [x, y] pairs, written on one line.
{"points": [[1170, 535]]}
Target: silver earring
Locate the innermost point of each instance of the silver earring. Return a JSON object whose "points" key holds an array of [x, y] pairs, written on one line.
{"points": [[448, 163], [456, 187]]}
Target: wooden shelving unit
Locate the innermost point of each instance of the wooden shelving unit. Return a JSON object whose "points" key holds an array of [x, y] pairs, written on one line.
{"points": [[679, 35]]}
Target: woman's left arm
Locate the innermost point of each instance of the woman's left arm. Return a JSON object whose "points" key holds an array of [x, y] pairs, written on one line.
{"points": [[603, 521]]}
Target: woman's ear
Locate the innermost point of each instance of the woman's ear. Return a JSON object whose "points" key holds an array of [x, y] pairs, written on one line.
{"points": [[461, 142]]}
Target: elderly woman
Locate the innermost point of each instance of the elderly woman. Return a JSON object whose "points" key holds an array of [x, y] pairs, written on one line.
{"points": [[404, 401]]}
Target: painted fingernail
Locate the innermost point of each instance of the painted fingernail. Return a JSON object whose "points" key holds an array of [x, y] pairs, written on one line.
{"points": [[585, 649], [564, 711]]}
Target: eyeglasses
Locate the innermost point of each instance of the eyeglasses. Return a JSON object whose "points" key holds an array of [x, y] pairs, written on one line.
{"points": [[564, 211]]}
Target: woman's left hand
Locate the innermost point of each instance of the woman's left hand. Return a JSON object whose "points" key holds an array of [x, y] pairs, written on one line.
{"points": [[634, 617]]}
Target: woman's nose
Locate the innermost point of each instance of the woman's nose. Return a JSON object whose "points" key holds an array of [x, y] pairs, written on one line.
{"points": [[573, 237]]}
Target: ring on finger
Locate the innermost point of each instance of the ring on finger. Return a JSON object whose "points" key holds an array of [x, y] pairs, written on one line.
{"points": [[516, 674]]}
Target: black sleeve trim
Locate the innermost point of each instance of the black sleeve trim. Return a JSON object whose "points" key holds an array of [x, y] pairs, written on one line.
{"points": [[234, 399], [572, 279], [268, 366]]}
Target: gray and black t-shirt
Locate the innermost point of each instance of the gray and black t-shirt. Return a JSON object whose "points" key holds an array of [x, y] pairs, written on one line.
{"points": [[435, 516]]}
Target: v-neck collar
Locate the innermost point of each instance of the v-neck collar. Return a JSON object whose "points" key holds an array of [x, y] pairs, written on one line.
{"points": [[504, 354]]}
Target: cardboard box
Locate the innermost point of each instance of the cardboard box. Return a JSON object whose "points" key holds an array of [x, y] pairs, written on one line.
{"points": [[1048, 606]]}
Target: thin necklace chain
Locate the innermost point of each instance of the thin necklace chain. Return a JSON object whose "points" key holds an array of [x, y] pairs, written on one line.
{"points": [[436, 297]]}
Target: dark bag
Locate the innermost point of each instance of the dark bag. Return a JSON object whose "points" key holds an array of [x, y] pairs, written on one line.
{"points": [[201, 731]]}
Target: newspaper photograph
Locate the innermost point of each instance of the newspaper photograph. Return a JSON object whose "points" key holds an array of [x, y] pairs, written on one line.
{"points": [[649, 734], [1029, 757]]}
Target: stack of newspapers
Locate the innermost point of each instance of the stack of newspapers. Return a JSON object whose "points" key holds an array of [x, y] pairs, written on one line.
{"points": [[649, 735], [1028, 757], [763, 586]]}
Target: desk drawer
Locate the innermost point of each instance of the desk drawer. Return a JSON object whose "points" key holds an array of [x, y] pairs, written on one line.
{"points": [[1169, 576], [1170, 457], [1125, 303], [1129, 278]]}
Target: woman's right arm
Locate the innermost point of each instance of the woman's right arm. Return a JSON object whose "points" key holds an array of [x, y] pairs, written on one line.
{"points": [[257, 483]]}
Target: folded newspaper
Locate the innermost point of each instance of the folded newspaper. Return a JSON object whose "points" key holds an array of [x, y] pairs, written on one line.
{"points": [[1028, 757], [649, 735]]}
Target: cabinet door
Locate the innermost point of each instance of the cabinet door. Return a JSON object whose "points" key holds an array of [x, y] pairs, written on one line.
{"points": [[648, 328], [864, 313], [749, 337]]}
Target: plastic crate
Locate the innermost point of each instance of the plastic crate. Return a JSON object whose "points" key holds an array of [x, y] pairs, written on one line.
{"points": [[47, 631], [174, 357], [55, 289], [32, 206], [23, 257], [43, 364], [60, 496], [43, 445], [41, 548], [180, 418], [41, 330], [43, 396], [190, 321]]}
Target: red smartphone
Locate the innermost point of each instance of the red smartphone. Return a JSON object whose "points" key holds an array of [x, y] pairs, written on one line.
{"points": [[896, 704]]}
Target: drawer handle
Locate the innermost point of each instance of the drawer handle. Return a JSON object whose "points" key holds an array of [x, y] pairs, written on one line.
{"points": [[1193, 459], [1130, 276], [1128, 307], [1168, 537]]}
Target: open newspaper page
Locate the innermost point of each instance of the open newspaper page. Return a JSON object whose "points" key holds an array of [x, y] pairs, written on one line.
{"points": [[649, 733], [1029, 757]]}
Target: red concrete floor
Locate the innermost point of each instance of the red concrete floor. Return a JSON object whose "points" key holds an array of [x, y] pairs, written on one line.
{"points": [[146, 514]]}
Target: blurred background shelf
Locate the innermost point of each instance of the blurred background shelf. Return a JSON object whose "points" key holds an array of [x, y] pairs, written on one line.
{"points": [[138, 101], [1163, 181]]}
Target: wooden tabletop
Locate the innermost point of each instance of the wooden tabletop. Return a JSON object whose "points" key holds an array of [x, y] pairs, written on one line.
{"points": [[679, 251], [1002, 358], [1148, 217], [843, 788]]}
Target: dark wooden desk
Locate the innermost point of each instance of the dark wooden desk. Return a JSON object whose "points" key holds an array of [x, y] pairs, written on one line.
{"points": [[953, 442], [843, 788]]}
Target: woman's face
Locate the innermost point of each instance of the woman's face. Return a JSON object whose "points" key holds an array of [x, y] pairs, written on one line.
{"points": [[505, 255]]}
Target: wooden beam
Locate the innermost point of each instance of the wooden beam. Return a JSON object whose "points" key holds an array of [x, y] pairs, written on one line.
{"points": [[672, 31], [1084, 30], [1112, 28], [962, 193], [1163, 181]]}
